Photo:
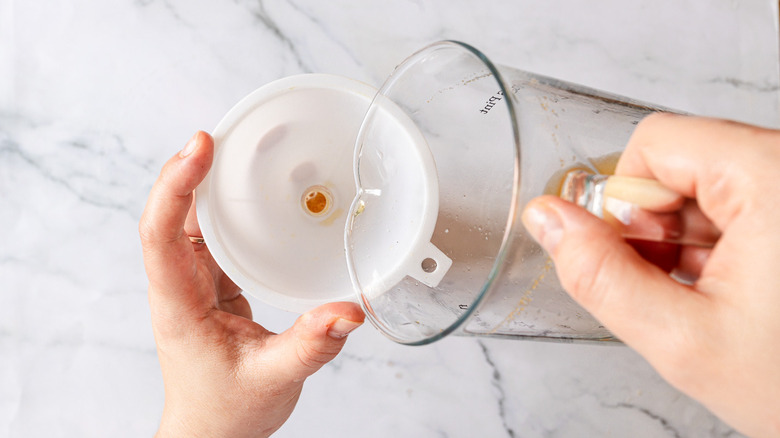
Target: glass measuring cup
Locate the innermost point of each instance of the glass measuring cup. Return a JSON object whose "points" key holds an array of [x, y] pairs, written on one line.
{"points": [[434, 240]]}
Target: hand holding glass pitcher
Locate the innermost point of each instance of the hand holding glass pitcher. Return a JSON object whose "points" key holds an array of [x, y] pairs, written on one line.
{"points": [[714, 338]]}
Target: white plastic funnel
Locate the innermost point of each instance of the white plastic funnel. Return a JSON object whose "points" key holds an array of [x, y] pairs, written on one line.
{"points": [[274, 205]]}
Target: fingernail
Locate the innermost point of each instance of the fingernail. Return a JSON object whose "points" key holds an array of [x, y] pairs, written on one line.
{"points": [[189, 148], [342, 327], [544, 225]]}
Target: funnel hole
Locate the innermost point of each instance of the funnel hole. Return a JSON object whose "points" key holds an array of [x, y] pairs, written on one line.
{"points": [[317, 201], [429, 265]]}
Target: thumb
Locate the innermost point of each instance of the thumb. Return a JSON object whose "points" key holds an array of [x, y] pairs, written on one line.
{"points": [[635, 299], [314, 340]]}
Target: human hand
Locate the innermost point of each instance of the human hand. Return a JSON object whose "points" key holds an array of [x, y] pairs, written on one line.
{"points": [[224, 374], [717, 338]]}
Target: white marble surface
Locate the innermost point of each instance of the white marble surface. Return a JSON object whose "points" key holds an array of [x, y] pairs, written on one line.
{"points": [[96, 95]]}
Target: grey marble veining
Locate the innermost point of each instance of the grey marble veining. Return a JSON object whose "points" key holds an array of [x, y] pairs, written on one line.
{"points": [[95, 96]]}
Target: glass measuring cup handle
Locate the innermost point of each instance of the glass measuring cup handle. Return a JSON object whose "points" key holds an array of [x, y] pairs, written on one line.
{"points": [[640, 208]]}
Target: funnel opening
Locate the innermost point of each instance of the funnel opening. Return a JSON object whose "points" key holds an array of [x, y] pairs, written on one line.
{"points": [[317, 201]]}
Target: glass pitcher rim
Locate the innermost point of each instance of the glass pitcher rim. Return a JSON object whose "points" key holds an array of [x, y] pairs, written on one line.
{"points": [[498, 263]]}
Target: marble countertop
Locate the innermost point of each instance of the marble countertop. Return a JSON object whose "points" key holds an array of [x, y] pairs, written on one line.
{"points": [[96, 95]]}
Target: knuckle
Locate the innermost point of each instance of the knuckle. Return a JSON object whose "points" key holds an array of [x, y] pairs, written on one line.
{"points": [[145, 230], [149, 234], [590, 283], [312, 356]]}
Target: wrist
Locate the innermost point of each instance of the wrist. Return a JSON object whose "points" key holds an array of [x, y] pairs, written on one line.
{"points": [[177, 424]]}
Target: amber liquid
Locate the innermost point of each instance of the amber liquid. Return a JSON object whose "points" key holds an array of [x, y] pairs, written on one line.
{"points": [[604, 165]]}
